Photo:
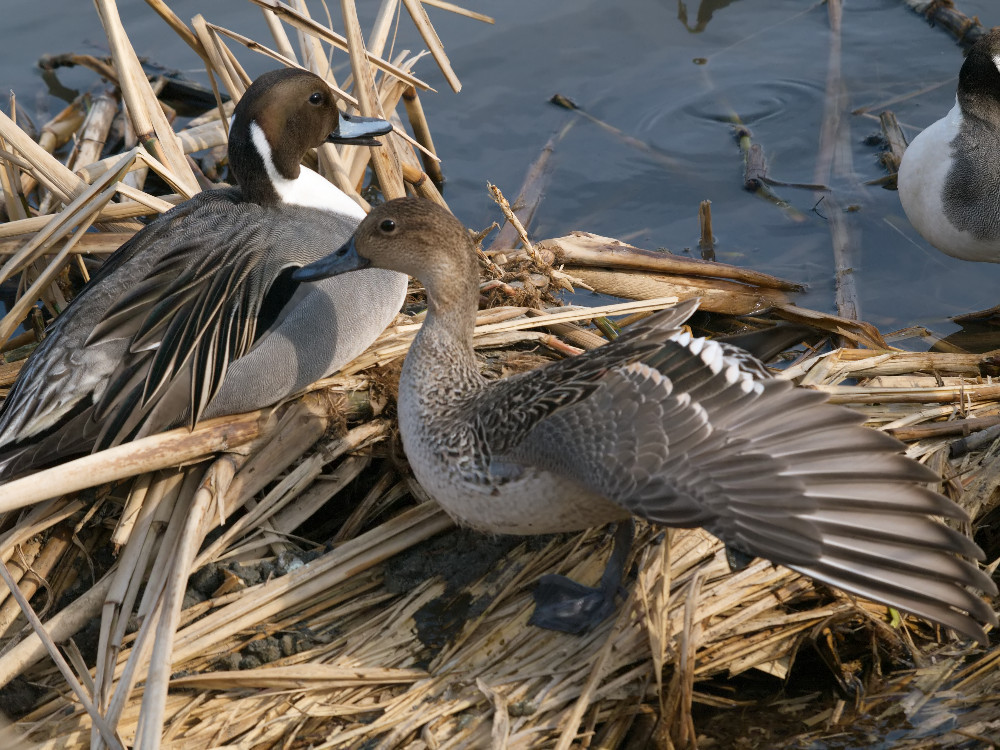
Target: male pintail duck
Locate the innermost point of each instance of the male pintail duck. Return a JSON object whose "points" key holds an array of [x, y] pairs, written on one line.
{"points": [[949, 179], [678, 430], [196, 315]]}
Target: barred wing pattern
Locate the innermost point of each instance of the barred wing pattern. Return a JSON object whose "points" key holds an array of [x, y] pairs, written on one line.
{"points": [[695, 433]]}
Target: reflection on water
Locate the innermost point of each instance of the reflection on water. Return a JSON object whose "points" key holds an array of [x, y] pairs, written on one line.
{"points": [[705, 10]]}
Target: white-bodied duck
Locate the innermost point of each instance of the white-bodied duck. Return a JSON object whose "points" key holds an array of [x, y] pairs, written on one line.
{"points": [[196, 315], [949, 179], [680, 431]]}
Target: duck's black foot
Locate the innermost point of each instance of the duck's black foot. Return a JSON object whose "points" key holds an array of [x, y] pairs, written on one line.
{"points": [[738, 559], [565, 605]]}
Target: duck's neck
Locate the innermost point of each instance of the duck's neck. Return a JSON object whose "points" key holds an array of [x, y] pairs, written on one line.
{"points": [[441, 366]]}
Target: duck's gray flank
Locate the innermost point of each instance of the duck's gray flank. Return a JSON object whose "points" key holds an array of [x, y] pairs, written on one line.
{"points": [[664, 426]]}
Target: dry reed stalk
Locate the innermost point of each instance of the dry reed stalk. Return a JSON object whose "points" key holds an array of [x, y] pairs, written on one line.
{"points": [[968, 393], [299, 676], [105, 731], [587, 249], [13, 195], [946, 16], [857, 331], [214, 56], [313, 56], [421, 131], [384, 159], [175, 23], [294, 18], [177, 502], [111, 213], [726, 297], [147, 118], [81, 212], [430, 37], [512, 219], [706, 240], [166, 449], [443, 5], [529, 197], [37, 570], [154, 204], [299, 426], [835, 135], [63, 126], [34, 522], [55, 133], [383, 25], [49, 170], [281, 39], [293, 483], [217, 480], [94, 131], [19, 560], [121, 597], [867, 364], [238, 79]]}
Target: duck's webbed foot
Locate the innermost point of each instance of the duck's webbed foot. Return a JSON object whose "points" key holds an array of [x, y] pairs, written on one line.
{"points": [[738, 559], [565, 605]]}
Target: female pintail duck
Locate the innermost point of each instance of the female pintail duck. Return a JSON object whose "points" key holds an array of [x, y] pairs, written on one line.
{"points": [[680, 431], [196, 315], [949, 179]]}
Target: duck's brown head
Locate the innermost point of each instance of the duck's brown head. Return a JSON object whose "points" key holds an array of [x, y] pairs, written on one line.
{"points": [[411, 235], [281, 116]]}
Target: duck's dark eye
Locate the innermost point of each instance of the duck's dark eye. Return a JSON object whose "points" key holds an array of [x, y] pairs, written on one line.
{"points": [[388, 226], [316, 98]]}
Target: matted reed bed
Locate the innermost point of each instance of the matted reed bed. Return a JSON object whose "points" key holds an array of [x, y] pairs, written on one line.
{"points": [[277, 579]]}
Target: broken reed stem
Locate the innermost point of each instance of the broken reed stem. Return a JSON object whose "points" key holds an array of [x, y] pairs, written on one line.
{"points": [[281, 40], [530, 195], [421, 131], [430, 37], [178, 446], [216, 482], [383, 158], [151, 125], [707, 239], [297, 20], [834, 130], [514, 221], [107, 734]]}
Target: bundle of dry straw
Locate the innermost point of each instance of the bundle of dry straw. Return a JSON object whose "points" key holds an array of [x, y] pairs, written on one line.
{"points": [[189, 609]]}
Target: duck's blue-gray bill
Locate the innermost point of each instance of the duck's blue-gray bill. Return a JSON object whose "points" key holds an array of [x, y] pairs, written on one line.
{"points": [[344, 259], [358, 130]]}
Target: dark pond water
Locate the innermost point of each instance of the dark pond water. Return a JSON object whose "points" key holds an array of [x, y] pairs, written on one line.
{"points": [[669, 73]]}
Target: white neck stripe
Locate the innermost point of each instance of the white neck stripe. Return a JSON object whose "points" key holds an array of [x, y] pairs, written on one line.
{"points": [[308, 189]]}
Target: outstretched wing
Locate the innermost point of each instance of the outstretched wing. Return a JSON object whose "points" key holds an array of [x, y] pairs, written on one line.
{"points": [[691, 435], [510, 409]]}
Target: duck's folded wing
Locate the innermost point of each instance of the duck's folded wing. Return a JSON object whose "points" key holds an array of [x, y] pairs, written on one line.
{"points": [[195, 311], [59, 380], [690, 437]]}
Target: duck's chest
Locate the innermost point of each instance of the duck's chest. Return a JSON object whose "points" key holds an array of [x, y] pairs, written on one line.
{"points": [[949, 185], [453, 464]]}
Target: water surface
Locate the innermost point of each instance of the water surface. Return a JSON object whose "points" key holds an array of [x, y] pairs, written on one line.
{"points": [[666, 72]]}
